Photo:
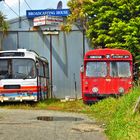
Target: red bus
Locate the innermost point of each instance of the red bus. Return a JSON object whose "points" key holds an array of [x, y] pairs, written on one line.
{"points": [[106, 72]]}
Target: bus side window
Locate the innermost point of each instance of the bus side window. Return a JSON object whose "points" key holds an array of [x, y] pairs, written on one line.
{"points": [[3, 68], [46, 69], [40, 69]]}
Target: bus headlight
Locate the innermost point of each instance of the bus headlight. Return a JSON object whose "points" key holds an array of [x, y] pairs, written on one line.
{"points": [[121, 90], [95, 90], [130, 83]]}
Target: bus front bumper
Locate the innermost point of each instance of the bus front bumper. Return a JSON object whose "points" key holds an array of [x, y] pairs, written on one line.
{"points": [[16, 99], [101, 95]]}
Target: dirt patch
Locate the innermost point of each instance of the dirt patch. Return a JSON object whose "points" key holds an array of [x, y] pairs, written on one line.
{"points": [[54, 108], [86, 127]]}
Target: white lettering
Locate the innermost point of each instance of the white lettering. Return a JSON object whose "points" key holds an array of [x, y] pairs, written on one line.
{"points": [[61, 12], [48, 12]]}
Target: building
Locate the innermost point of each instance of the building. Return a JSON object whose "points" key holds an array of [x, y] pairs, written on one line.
{"points": [[67, 51]]}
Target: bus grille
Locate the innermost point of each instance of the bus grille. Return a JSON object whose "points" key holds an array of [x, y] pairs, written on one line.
{"points": [[11, 86]]}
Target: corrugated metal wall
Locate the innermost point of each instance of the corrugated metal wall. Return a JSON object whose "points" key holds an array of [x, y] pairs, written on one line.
{"points": [[67, 54]]}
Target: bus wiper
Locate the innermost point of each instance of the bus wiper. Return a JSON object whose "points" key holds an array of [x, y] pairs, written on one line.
{"points": [[25, 77], [7, 76], [21, 75], [1, 77]]}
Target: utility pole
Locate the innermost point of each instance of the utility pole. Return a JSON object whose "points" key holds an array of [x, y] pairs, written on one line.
{"points": [[51, 33], [19, 16], [51, 88]]}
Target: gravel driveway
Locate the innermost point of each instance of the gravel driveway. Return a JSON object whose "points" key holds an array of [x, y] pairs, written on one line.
{"points": [[24, 125]]}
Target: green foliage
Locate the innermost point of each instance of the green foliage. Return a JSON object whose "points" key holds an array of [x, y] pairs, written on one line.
{"points": [[109, 23], [77, 16], [118, 115], [115, 24], [124, 119], [76, 8], [66, 28], [138, 57], [105, 109]]}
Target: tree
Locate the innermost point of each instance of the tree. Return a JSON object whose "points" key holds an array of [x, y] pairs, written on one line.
{"points": [[3, 28], [110, 23], [3, 24], [77, 15]]}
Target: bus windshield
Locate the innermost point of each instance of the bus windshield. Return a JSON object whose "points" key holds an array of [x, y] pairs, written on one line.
{"points": [[120, 69], [17, 69], [99, 69], [96, 69]]}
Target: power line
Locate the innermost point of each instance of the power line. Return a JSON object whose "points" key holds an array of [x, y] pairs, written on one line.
{"points": [[10, 8], [27, 4], [14, 12]]}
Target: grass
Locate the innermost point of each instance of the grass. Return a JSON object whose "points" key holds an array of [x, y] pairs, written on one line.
{"points": [[116, 113], [51, 104], [70, 106]]}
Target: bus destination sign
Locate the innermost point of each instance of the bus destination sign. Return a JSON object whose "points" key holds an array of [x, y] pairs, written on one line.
{"points": [[108, 56], [96, 56], [120, 56]]}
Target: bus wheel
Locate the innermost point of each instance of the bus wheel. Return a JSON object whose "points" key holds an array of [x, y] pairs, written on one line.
{"points": [[90, 102]]}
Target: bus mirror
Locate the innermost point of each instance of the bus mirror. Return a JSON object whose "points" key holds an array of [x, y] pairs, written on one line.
{"points": [[37, 64], [82, 68]]}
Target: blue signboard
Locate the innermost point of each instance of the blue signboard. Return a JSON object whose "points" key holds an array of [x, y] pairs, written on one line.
{"points": [[49, 12]]}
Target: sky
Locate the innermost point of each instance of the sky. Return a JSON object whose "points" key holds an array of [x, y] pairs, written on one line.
{"points": [[10, 8]]}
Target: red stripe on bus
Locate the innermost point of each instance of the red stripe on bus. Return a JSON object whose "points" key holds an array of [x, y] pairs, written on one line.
{"points": [[22, 89]]}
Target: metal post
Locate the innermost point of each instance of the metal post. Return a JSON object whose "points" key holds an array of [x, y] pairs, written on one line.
{"points": [[17, 40], [50, 33], [83, 43], [75, 86], [51, 88]]}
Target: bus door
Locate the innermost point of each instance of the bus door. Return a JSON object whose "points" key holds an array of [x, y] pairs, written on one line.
{"points": [[42, 80]]}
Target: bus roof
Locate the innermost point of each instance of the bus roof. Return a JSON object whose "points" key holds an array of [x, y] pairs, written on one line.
{"points": [[21, 53], [108, 54]]}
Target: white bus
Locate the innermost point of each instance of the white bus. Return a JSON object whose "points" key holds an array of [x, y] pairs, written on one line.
{"points": [[24, 76]]}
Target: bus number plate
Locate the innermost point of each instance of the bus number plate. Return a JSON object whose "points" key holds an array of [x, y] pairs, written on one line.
{"points": [[12, 98]]}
